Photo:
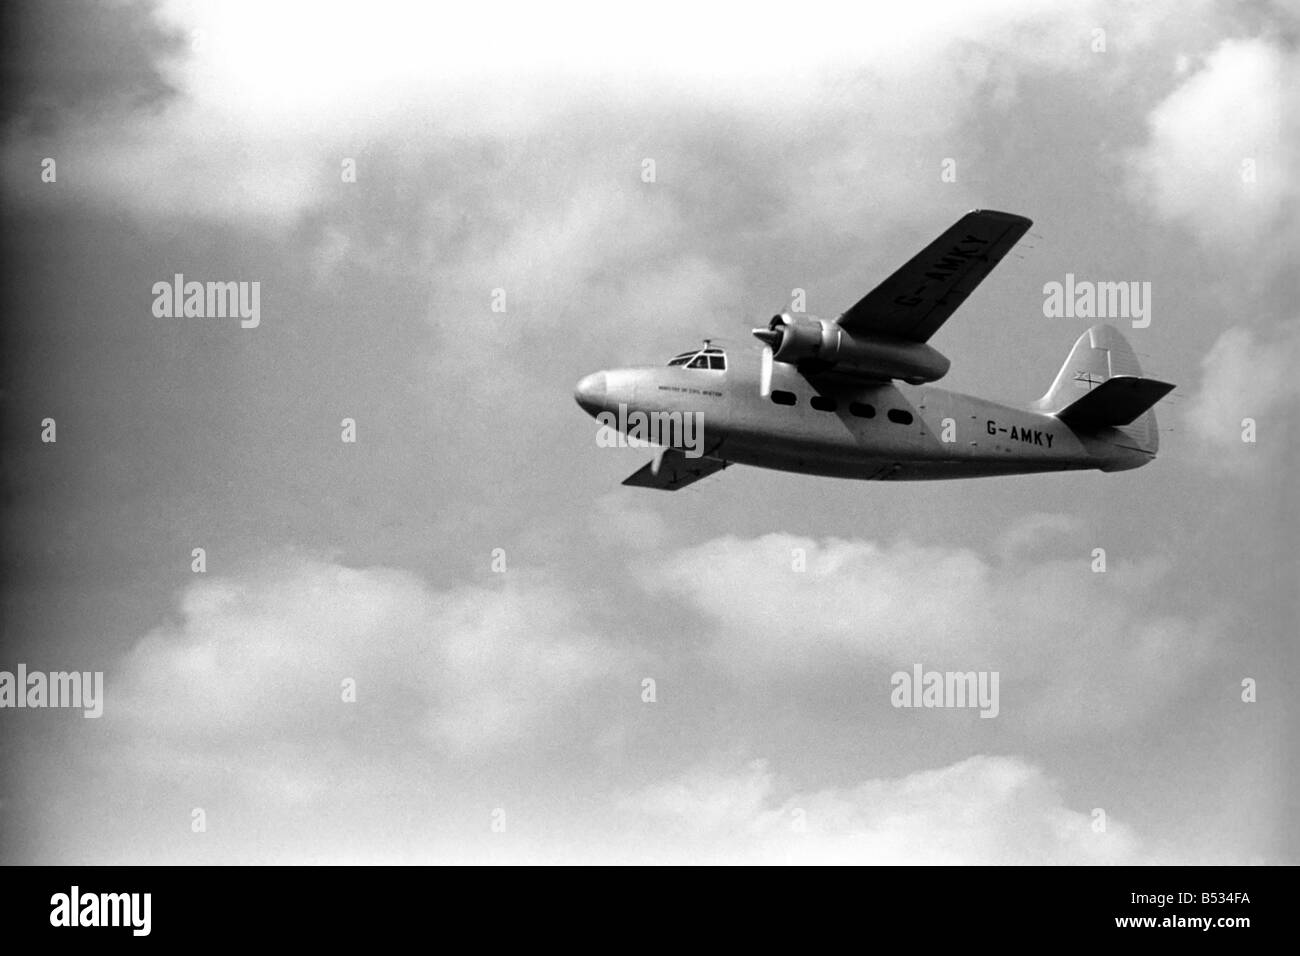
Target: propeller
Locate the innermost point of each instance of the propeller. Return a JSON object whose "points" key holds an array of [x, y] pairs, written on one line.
{"points": [[771, 339], [765, 373], [770, 336]]}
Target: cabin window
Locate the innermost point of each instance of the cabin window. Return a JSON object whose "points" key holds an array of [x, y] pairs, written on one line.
{"points": [[699, 362], [900, 417], [823, 403], [862, 410], [718, 362], [783, 398]]}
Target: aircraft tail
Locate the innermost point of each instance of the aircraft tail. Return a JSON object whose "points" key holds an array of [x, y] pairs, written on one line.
{"points": [[1101, 386]]}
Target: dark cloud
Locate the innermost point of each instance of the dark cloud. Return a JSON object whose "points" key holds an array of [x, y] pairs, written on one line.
{"points": [[81, 56]]}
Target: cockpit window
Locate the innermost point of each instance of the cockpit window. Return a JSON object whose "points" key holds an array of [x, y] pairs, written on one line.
{"points": [[708, 357]]}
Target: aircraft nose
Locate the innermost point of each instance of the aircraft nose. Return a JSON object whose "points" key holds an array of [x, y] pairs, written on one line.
{"points": [[590, 393]]}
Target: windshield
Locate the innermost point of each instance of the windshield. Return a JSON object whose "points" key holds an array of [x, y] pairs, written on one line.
{"points": [[708, 357]]}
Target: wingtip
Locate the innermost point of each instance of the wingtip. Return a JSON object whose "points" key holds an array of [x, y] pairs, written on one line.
{"points": [[1001, 214]]}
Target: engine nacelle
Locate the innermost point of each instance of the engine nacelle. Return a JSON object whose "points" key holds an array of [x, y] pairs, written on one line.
{"points": [[800, 339]]}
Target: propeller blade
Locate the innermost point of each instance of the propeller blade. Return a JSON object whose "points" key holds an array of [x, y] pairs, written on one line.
{"points": [[765, 374]]}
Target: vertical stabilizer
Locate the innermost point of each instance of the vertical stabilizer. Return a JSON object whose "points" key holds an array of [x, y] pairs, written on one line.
{"points": [[1100, 354]]}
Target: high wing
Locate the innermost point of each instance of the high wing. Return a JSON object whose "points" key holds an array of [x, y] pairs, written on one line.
{"points": [[671, 470], [913, 302]]}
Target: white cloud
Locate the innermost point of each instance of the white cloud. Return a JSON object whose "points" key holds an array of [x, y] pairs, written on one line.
{"points": [[263, 656], [293, 61], [1227, 122], [1247, 375], [271, 96], [1076, 650], [237, 708], [983, 810]]}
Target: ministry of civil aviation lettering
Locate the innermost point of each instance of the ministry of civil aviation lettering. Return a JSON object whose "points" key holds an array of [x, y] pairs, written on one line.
{"points": [[1030, 436]]}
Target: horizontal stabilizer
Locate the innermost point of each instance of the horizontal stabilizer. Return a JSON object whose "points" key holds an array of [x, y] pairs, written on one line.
{"points": [[672, 470], [1117, 401]]}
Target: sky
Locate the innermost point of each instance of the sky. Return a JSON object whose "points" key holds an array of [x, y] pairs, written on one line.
{"points": [[458, 638]]}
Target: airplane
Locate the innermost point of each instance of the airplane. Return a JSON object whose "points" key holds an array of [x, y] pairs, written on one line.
{"points": [[852, 397]]}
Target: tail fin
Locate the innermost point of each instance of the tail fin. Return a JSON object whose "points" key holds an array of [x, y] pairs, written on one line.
{"points": [[1101, 385]]}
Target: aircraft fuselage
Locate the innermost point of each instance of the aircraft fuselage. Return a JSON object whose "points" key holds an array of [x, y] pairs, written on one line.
{"points": [[880, 431]]}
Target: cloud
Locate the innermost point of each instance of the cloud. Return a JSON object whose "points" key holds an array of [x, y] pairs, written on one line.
{"points": [[1076, 650], [1222, 149], [237, 708], [263, 656], [1034, 530], [68, 61], [258, 103], [983, 810], [1247, 374]]}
